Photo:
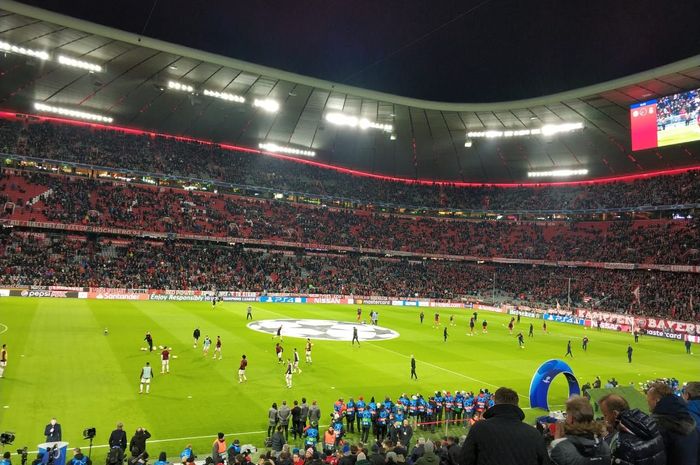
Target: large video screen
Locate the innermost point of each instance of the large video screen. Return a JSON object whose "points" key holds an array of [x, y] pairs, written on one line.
{"points": [[673, 119]]}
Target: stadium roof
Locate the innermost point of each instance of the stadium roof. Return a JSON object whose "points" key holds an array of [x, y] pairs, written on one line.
{"points": [[426, 140]]}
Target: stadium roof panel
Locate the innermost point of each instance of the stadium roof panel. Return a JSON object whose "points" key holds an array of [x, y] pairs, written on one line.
{"points": [[426, 140]]}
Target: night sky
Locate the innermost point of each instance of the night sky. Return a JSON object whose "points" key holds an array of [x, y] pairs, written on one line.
{"points": [[468, 51]]}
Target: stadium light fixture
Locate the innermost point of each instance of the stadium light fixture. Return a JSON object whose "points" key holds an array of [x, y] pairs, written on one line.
{"points": [[68, 61], [72, 113], [546, 130], [269, 105], [468, 143], [224, 96], [341, 119], [174, 85], [556, 173], [8, 47], [272, 147]]}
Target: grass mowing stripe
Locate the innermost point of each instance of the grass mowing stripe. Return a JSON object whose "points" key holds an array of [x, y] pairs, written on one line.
{"points": [[441, 368]]}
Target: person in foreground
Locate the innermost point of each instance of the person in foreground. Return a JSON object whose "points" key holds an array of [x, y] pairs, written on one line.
{"points": [[502, 438], [579, 439], [634, 437], [675, 423]]}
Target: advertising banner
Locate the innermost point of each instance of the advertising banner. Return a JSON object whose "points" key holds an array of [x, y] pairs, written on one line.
{"points": [[572, 320]]}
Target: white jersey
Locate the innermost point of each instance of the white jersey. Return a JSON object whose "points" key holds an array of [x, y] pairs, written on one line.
{"points": [[147, 373]]}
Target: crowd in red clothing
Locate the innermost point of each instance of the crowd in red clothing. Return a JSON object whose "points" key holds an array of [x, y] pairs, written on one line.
{"points": [[178, 157], [76, 261], [72, 200]]}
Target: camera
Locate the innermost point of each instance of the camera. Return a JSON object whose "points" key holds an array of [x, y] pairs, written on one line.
{"points": [[89, 433], [23, 454], [7, 438]]}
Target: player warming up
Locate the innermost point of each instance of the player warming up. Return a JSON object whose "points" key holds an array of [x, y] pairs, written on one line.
{"points": [[354, 336], [485, 327], [278, 351], [146, 377], [278, 334], [288, 374], [195, 335], [584, 343], [308, 350], [205, 346], [297, 370], [149, 341], [544, 327], [471, 326], [521, 340], [421, 316], [359, 314], [3, 360], [413, 368], [249, 313], [241, 369], [217, 348], [436, 320], [444, 334], [531, 333], [165, 361]]}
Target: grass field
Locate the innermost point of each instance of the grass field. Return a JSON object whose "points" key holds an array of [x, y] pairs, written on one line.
{"points": [[61, 364]]}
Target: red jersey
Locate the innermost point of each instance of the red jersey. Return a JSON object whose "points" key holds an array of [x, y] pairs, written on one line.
{"points": [[165, 355], [278, 349], [244, 363]]}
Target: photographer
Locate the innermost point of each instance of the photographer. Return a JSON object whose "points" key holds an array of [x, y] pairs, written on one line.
{"points": [[578, 437], [137, 446]]}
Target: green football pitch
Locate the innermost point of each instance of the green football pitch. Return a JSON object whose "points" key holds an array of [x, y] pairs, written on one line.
{"points": [[61, 364]]}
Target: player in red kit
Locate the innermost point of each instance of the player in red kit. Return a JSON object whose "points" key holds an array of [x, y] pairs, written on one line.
{"points": [[241, 369], [165, 361], [278, 351]]}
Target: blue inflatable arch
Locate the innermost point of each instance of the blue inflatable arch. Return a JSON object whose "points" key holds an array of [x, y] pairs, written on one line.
{"points": [[539, 387]]}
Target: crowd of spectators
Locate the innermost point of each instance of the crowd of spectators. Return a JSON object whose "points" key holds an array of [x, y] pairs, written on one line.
{"points": [[28, 258], [170, 156], [73, 200]]}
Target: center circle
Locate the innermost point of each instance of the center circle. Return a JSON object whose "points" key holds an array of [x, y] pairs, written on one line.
{"points": [[328, 330]]}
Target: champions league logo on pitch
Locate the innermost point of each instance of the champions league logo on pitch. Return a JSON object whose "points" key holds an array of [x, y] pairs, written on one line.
{"points": [[328, 330]]}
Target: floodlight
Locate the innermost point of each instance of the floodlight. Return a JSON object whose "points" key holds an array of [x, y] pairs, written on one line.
{"points": [[268, 105], [174, 85], [224, 96], [272, 147], [64, 60], [79, 114], [546, 130], [8, 47], [557, 173]]}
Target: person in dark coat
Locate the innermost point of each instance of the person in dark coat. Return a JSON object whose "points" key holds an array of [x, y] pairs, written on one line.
{"points": [[675, 423], [502, 438], [137, 445], [52, 431], [579, 439], [118, 437], [635, 438]]}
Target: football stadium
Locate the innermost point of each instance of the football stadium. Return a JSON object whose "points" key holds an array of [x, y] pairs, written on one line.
{"points": [[216, 255]]}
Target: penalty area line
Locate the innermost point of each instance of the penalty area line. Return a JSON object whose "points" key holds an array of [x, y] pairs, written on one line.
{"points": [[444, 369]]}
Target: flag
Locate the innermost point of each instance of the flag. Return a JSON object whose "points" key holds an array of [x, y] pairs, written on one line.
{"points": [[635, 293]]}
